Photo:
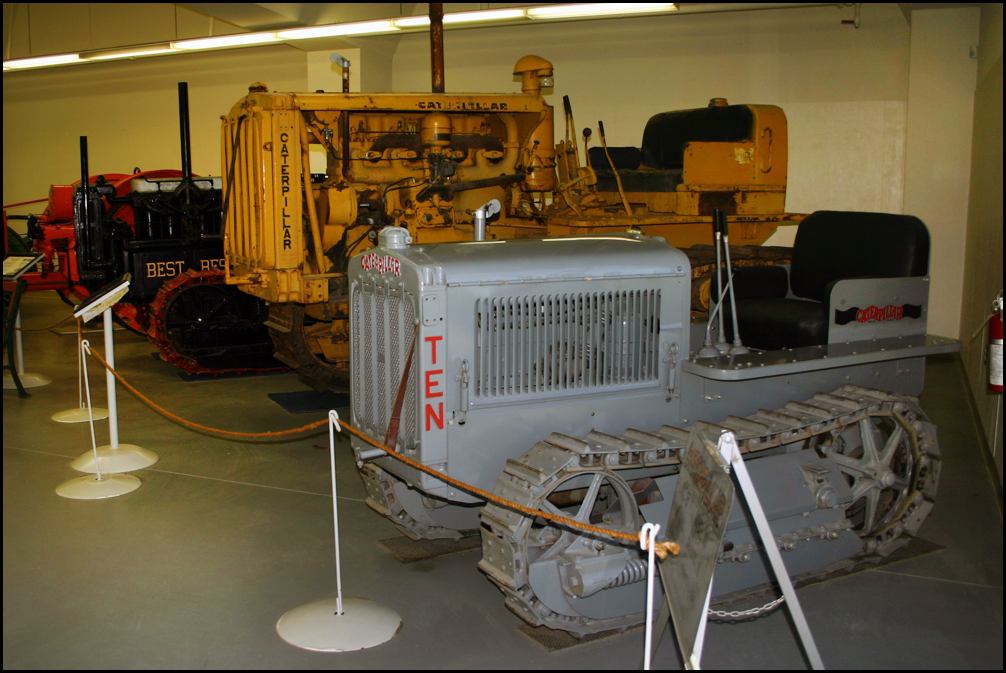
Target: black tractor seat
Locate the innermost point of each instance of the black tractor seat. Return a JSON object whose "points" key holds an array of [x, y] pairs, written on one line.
{"points": [[776, 311]]}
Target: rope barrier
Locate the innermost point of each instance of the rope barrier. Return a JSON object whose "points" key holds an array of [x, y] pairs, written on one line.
{"points": [[49, 328], [24, 203], [662, 549], [199, 426]]}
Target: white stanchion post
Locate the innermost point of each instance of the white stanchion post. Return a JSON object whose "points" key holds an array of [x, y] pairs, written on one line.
{"points": [[333, 425], [647, 540], [114, 457], [28, 379], [98, 486], [731, 454], [18, 345], [81, 413], [338, 625], [113, 411]]}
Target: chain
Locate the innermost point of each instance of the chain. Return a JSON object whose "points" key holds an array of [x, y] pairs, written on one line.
{"points": [[752, 613]]}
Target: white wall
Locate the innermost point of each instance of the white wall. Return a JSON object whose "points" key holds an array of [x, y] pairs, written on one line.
{"points": [[129, 113], [941, 93]]}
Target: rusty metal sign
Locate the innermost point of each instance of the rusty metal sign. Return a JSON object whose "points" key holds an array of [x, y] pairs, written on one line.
{"points": [[702, 500]]}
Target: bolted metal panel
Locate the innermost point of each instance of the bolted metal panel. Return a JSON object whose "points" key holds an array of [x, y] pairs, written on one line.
{"points": [[565, 342]]}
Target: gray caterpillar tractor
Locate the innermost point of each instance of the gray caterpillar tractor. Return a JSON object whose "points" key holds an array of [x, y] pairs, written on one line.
{"points": [[564, 374]]}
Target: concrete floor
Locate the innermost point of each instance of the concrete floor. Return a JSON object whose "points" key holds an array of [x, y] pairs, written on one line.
{"points": [[193, 569]]}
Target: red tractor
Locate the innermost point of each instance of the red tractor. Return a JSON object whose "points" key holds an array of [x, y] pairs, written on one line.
{"points": [[164, 228]]}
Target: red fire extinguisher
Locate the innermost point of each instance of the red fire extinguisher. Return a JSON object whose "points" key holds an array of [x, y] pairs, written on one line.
{"points": [[996, 346]]}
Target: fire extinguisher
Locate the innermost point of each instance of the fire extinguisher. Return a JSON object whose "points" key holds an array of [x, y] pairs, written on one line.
{"points": [[996, 346]]}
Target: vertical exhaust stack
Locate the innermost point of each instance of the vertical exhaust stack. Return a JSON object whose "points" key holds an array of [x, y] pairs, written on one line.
{"points": [[84, 183], [437, 45], [183, 127]]}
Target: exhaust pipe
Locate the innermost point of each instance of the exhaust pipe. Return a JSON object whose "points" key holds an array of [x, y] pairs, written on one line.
{"points": [[437, 45]]}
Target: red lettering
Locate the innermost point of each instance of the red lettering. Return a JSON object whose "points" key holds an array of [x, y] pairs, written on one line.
{"points": [[436, 416], [431, 384], [433, 345], [880, 313]]}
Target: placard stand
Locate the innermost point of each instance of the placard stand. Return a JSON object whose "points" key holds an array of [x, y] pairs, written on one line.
{"points": [[731, 454], [82, 413], [334, 624], [113, 457], [698, 514], [99, 486]]}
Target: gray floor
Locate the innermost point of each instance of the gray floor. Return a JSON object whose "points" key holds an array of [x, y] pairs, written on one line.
{"points": [[193, 569]]}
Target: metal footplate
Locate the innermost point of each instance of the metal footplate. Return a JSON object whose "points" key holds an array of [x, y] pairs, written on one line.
{"points": [[883, 446]]}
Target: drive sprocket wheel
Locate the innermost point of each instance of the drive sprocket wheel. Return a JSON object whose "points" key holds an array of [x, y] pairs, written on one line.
{"points": [[203, 326], [566, 579], [890, 461]]}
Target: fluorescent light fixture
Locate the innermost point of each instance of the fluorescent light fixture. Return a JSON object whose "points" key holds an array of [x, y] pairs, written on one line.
{"points": [[412, 22], [484, 15], [128, 52], [41, 62], [239, 40], [598, 9], [336, 30]]}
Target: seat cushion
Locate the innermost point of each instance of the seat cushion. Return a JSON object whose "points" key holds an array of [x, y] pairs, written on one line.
{"points": [[638, 181], [774, 323]]}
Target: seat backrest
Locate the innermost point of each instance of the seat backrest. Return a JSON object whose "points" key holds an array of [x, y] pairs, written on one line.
{"points": [[834, 245], [623, 158], [666, 134]]}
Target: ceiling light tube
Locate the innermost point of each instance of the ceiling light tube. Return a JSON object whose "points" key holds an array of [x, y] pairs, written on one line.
{"points": [[336, 30], [41, 61], [598, 9], [239, 40], [484, 15], [128, 52], [412, 22]]}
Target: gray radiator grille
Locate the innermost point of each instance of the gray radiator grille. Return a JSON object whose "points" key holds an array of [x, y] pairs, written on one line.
{"points": [[564, 342], [383, 322]]}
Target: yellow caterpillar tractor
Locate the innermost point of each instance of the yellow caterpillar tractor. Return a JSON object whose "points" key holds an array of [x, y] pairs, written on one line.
{"points": [[432, 163]]}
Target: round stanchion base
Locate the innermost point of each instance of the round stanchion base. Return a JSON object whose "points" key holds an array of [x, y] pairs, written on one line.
{"points": [[316, 626], [123, 458], [93, 488], [28, 380], [79, 415]]}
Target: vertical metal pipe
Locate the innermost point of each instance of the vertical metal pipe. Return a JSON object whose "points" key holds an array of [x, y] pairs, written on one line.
{"points": [[183, 126], [84, 181], [437, 45], [83, 161]]}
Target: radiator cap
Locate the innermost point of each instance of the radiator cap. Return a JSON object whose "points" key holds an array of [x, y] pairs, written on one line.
{"points": [[394, 238]]}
